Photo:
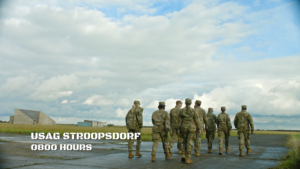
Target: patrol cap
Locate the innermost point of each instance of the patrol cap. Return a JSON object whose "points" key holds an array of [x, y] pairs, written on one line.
{"points": [[210, 109], [178, 102], [244, 107], [161, 104], [198, 102], [223, 108], [188, 101], [136, 102]]}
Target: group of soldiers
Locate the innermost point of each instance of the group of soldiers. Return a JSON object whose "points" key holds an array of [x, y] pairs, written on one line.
{"points": [[187, 125]]}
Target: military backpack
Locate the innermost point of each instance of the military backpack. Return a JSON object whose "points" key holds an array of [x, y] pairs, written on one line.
{"points": [[131, 120]]}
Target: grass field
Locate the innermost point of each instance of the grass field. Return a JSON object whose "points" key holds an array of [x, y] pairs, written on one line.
{"points": [[61, 128], [292, 159]]}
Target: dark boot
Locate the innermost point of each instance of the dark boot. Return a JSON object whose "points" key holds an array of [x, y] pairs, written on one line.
{"points": [[183, 157], [220, 151]]}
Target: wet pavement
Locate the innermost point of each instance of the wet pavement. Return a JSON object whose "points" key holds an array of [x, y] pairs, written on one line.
{"points": [[15, 152]]}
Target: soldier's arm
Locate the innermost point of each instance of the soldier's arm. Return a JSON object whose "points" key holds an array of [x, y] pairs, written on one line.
{"points": [[197, 122], [236, 121], [217, 121], [174, 120], [205, 120], [140, 117], [179, 119], [126, 118], [152, 119], [167, 123], [229, 123], [250, 121]]}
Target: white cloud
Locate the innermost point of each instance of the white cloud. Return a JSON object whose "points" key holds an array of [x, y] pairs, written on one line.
{"points": [[123, 102], [54, 88], [97, 100], [64, 102], [73, 101], [19, 83], [121, 113], [153, 105]]}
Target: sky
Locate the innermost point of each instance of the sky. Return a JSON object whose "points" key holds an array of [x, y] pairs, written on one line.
{"points": [[77, 60]]}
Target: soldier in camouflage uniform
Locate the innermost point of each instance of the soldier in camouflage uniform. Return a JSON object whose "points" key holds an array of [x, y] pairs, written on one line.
{"points": [[224, 129], [134, 126], [242, 121], [175, 121], [210, 132], [202, 118], [161, 127], [190, 125]]}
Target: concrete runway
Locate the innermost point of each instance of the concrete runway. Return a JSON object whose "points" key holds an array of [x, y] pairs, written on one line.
{"points": [[15, 152]]}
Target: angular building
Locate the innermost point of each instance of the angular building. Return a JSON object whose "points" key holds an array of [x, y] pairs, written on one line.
{"points": [[23, 116]]}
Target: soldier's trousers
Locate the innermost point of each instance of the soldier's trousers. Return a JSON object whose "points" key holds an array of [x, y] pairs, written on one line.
{"points": [[174, 138], [210, 135], [164, 139], [197, 139], [244, 136], [188, 140], [221, 135], [131, 141]]}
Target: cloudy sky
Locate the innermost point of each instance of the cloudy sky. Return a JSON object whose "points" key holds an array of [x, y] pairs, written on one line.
{"points": [[91, 59]]}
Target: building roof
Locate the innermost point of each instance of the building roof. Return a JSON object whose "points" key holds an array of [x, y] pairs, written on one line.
{"points": [[33, 114]]}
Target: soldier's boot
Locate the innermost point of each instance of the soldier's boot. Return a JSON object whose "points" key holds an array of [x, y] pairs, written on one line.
{"points": [[170, 150], [220, 151], [168, 156], [153, 158], [137, 153], [130, 155], [209, 151], [188, 160], [198, 153], [248, 151], [227, 150], [183, 157], [179, 152], [241, 153]]}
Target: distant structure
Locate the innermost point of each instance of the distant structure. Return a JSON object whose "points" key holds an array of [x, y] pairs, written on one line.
{"points": [[91, 123], [23, 116]]}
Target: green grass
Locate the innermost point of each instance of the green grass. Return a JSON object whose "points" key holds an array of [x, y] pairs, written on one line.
{"points": [[292, 159]]}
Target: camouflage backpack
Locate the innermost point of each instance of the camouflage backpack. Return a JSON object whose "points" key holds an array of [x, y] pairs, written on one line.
{"points": [[131, 119]]}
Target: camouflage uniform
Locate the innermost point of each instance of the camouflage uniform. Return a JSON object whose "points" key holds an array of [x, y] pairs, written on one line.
{"points": [[139, 124], [202, 118], [190, 124], [224, 125], [242, 121], [211, 130], [161, 127], [175, 122]]}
